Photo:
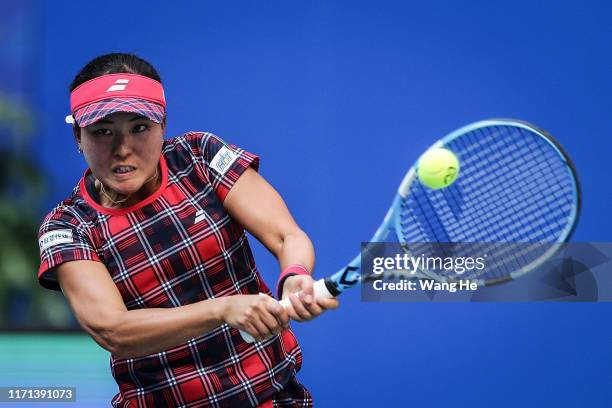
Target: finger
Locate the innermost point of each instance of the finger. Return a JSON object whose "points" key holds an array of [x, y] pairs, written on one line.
{"points": [[308, 298], [328, 303], [301, 312], [265, 310], [307, 292], [270, 321], [252, 330], [267, 318], [313, 308], [279, 312], [291, 311], [263, 332]]}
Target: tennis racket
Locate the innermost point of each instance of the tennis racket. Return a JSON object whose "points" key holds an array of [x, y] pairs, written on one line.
{"points": [[516, 184]]}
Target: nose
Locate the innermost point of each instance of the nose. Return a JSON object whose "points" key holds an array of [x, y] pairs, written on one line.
{"points": [[122, 145]]}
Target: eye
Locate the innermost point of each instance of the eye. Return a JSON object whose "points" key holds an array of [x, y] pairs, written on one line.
{"points": [[140, 128], [102, 132]]}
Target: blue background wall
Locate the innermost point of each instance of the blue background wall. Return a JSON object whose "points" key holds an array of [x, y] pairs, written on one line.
{"points": [[338, 99]]}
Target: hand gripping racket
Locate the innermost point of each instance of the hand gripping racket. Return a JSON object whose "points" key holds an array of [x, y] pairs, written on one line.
{"points": [[516, 185]]}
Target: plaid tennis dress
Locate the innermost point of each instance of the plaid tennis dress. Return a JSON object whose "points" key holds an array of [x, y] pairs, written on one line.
{"points": [[177, 247]]}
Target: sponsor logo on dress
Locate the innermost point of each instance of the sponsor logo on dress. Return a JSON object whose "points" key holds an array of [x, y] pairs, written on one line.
{"points": [[199, 216], [223, 160], [55, 237]]}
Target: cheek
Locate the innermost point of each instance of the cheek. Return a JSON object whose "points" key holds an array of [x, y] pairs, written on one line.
{"points": [[153, 147], [92, 155], [94, 147]]}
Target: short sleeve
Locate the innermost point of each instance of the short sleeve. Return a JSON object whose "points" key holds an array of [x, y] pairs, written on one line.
{"points": [[224, 163], [60, 240]]}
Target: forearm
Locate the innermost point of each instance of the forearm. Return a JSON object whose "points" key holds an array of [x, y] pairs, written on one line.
{"points": [[296, 248], [261, 210], [146, 331], [297, 290]]}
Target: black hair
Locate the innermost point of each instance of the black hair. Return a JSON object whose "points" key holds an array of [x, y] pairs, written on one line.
{"points": [[114, 63]]}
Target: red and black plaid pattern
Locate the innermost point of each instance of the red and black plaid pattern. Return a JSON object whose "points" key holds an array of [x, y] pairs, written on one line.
{"points": [[177, 249], [99, 110]]}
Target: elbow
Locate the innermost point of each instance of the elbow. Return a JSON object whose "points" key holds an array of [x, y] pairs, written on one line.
{"points": [[107, 337], [113, 345], [116, 344], [291, 234], [123, 353]]}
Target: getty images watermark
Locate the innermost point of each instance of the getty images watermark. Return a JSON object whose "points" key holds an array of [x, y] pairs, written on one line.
{"points": [[419, 270], [486, 272]]}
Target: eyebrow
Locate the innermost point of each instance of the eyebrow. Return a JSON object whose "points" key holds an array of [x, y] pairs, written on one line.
{"points": [[108, 121]]}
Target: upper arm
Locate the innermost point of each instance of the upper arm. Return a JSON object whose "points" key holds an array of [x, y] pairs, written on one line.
{"points": [[93, 296], [224, 163], [255, 204]]}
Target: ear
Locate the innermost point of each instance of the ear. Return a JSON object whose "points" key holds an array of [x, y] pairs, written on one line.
{"points": [[76, 131], [163, 125]]}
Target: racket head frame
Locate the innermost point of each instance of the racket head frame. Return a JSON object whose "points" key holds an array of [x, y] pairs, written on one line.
{"points": [[411, 177], [350, 275]]}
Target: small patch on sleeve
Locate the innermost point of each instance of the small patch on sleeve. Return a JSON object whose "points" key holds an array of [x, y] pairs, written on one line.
{"points": [[55, 237], [223, 160]]}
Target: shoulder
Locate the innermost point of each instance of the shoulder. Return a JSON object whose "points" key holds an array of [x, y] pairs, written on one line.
{"points": [[196, 142], [67, 233], [220, 163], [72, 213], [195, 147]]}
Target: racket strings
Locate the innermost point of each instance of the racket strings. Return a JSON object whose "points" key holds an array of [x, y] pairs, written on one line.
{"points": [[494, 193], [502, 188], [513, 186], [507, 194]]}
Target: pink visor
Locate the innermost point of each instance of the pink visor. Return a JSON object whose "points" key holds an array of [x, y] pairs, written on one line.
{"points": [[102, 96]]}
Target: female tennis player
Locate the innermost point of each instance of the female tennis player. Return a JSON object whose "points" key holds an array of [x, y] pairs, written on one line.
{"points": [[151, 253]]}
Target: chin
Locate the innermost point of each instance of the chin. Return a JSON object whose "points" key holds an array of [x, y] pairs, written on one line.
{"points": [[126, 187]]}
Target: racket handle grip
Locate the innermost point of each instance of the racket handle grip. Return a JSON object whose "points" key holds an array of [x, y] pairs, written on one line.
{"points": [[320, 291]]}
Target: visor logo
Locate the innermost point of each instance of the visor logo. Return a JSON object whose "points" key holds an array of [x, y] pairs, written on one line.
{"points": [[119, 85]]}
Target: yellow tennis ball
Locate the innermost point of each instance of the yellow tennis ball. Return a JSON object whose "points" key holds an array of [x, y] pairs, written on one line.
{"points": [[438, 168]]}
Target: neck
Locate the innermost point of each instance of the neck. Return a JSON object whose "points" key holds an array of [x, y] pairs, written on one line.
{"points": [[112, 199]]}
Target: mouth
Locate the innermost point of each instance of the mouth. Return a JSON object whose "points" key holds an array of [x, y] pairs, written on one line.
{"points": [[123, 169]]}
